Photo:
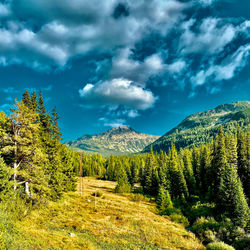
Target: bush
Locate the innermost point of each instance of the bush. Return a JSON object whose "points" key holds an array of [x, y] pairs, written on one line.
{"points": [[180, 219], [123, 188], [219, 246], [171, 210], [242, 244], [201, 210], [138, 197]]}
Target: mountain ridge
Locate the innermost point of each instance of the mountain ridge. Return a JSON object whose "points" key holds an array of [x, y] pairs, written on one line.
{"points": [[201, 127], [116, 141]]}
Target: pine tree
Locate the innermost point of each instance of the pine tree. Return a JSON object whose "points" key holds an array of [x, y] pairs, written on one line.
{"points": [[34, 103], [123, 185], [178, 187], [163, 199], [244, 160], [219, 161], [26, 99], [55, 128], [205, 163], [25, 146], [230, 198], [188, 171]]}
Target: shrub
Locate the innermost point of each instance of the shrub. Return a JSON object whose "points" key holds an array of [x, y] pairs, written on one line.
{"points": [[242, 244], [180, 219], [171, 210], [201, 210], [123, 188], [138, 197], [219, 246]]}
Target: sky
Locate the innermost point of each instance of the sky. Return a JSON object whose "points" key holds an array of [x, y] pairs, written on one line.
{"points": [[105, 63]]}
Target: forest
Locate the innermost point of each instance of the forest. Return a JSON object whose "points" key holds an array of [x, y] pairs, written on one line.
{"points": [[205, 188]]}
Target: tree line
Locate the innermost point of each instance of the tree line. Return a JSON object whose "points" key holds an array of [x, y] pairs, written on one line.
{"points": [[209, 182]]}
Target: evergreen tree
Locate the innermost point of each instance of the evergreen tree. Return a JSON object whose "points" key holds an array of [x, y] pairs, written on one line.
{"points": [[205, 163], [163, 200], [178, 185], [188, 171], [219, 162], [26, 99], [55, 128], [243, 141], [24, 145], [123, 185], [34, 103]]}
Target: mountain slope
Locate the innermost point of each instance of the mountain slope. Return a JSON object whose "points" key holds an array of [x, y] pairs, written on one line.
{"points": [[116, 141], [201, 127]]}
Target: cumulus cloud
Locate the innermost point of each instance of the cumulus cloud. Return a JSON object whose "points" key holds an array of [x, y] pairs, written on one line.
{"points": [[124, 66], [118, 92], [212, 36], [56, 31], [193, 49], [226, 70]]}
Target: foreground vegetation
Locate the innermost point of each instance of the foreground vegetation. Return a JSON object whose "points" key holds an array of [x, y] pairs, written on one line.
{"points": [[118, 222], [205, 189]]}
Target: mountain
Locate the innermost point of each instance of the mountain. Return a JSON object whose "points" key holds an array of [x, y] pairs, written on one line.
{"points": [[201, 127], [116, 141]]}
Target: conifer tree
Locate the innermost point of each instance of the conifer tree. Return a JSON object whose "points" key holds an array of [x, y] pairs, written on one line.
{"points": [[243, 153], [163, 199], [188, 171], [123, 185], [55, 128], [196, 166], [178, 187], [34, 103], [25, 146], [230, 198], [205, 163], [219, 161], [26, 99]]}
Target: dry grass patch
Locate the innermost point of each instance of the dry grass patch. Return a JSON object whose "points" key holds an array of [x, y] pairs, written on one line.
{"points": [[117, 223]]}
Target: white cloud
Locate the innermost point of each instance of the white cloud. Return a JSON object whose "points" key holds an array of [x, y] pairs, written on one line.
{"points": [[56, 31], [226, 70], [4, 10], [113, 123], [211, 38], [124, 66], [206, 2], [118, 92]]}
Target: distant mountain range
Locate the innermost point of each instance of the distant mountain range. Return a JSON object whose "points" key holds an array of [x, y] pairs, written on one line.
{"points": [[116, 141], [201, 127]]}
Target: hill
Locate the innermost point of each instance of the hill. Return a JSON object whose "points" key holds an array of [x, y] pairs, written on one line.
{"points": [[117, 223], [201, 127], [116, 141]]}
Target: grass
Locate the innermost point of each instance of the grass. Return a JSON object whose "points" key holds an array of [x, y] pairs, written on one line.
{"points": [[116, 223]]}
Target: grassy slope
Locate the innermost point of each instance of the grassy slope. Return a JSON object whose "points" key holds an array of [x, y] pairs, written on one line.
{"points": [[118, 223]]}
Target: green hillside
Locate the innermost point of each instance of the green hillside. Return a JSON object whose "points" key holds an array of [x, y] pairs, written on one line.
{"points": [[201, 127]]}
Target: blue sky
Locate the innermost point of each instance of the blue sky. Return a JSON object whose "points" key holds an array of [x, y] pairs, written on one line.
{"points": [[104, 63]]}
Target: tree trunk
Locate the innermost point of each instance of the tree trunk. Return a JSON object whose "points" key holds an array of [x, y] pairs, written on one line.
{"points": [[27, 189], [15, 175]]}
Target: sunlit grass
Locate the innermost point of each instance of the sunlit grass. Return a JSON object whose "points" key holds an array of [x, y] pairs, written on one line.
{"points": [[116, 223]]}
